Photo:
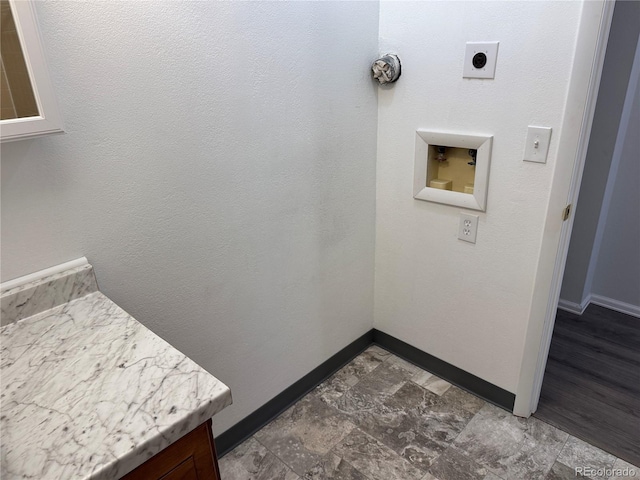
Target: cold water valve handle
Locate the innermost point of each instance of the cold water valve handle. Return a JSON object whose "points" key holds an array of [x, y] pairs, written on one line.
{"points": [[386, 69], [473, 153]]}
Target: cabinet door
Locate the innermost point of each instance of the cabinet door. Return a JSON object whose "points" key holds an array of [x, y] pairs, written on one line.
{"points": [[193, 457], [185, 471]]}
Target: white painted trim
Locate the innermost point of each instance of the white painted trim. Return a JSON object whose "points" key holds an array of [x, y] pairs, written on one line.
{"points": [[572, 307], [617, 305], [613, 169], [31, 277], [49, 121], [591, 44], [610, 303]]}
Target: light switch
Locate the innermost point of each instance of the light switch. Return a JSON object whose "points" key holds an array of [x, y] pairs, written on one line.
{"points": [[537, 146]]}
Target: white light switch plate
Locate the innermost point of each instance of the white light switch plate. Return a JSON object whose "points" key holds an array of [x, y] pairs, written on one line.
{"points": [[490, 50], [468, 228], [536, 147]]}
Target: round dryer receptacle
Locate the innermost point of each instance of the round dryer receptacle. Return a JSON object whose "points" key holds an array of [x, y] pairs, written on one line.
{"points": [[479, 60]]}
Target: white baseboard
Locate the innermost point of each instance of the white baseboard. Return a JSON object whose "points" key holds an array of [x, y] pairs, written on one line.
{"points": [[572, 307], [616, 305]]}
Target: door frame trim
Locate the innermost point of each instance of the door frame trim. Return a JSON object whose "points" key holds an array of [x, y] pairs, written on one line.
{"points": [[591, 45]]}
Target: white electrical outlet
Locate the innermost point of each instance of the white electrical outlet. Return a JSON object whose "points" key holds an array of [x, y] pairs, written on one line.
{"points": [[468, 229]]}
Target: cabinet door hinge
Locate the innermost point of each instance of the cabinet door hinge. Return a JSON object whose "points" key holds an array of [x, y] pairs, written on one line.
{"points": [[566, 212]]}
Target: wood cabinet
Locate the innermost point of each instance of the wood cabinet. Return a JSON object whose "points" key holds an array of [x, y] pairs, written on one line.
{"points": [[193, 457]]}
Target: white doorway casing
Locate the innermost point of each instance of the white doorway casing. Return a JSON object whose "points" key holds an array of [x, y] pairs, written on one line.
{"points": [[579, 110]]}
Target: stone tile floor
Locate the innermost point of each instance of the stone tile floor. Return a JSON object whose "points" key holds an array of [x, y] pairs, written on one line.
{"points": [[382, 418]]}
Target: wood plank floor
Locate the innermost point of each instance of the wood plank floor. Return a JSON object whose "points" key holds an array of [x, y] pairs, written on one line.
{"points": [[591, 387]]}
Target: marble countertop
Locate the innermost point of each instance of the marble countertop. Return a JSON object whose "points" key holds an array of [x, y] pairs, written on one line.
{"points": [[88, 392]]}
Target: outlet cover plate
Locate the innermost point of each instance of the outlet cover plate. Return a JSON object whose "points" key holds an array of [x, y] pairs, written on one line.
{"points": [[468, 228], [490, 49], [536, 147]]}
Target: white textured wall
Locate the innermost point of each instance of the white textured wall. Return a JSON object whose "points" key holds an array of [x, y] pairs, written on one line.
{"points": [[617, 274], [218, 171], [468, 304]]}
